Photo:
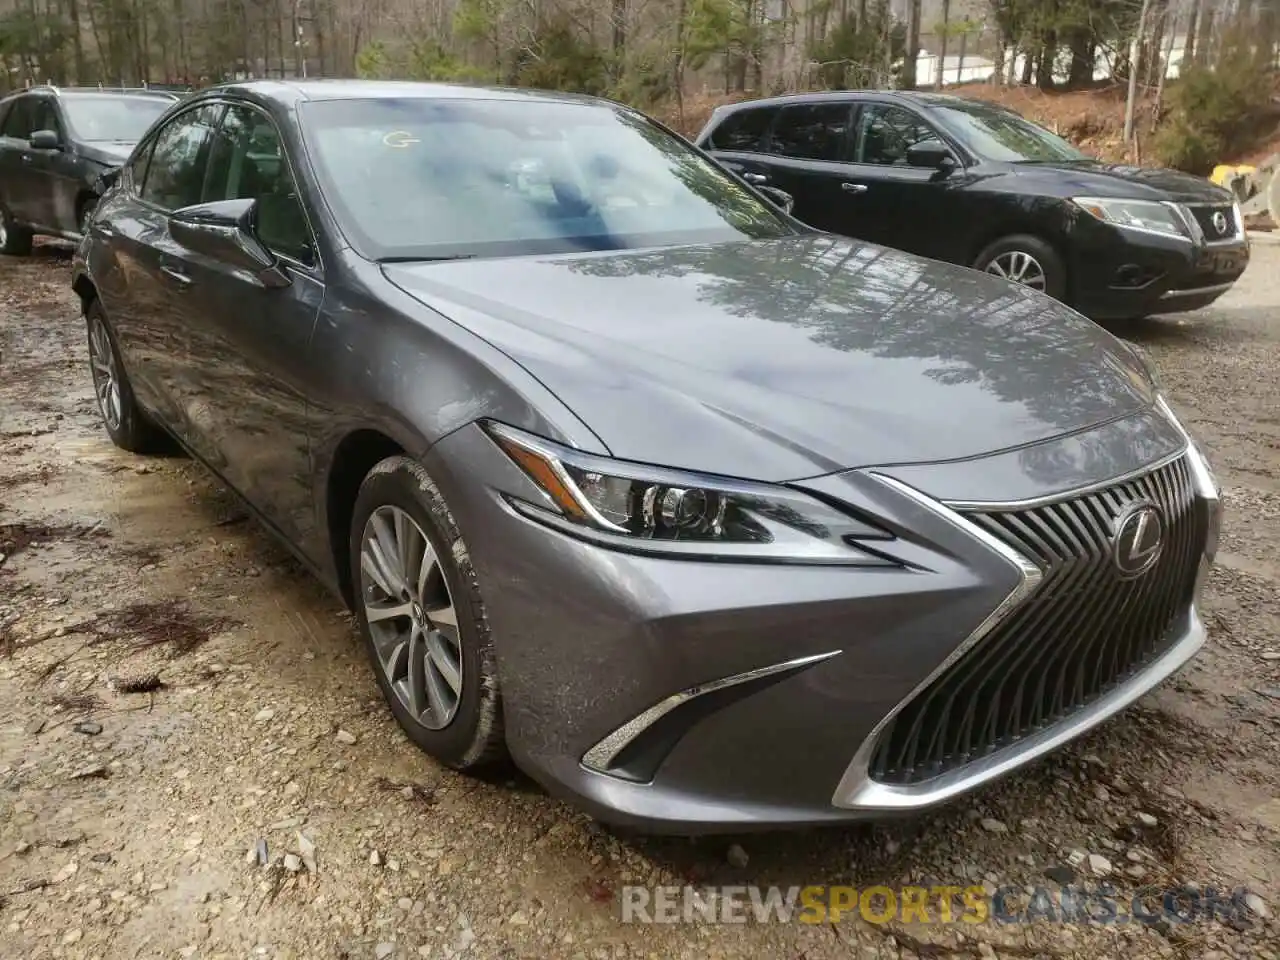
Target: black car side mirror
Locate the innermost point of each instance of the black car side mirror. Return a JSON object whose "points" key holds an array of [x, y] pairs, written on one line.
{"points": [[223, 230], [106, 180], [45, 140], [931, 154], [779, 198]]}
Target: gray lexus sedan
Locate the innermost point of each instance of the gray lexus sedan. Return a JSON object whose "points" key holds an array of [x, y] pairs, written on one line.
{"points": [[708, 520]]}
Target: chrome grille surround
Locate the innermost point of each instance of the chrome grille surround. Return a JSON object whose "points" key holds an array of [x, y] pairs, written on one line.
{"points": [[1184, 486]]}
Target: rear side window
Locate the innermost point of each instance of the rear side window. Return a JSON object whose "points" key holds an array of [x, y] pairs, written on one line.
{"points": [[17, 123], [815, 131], [46, 117], [744, 130]]}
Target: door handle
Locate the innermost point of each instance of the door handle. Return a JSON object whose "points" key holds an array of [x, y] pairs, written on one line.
{"points": [[173, 273], [756, 178], [853, 187]]}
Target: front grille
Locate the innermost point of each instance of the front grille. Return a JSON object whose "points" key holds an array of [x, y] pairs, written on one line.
{"points": [[1084, 630], [1205, 218]]}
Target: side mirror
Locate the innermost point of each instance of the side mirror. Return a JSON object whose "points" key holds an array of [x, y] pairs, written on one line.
{"points": [[223, 230], [45, 140], [931, 154], [779, 198], [106, 180]]}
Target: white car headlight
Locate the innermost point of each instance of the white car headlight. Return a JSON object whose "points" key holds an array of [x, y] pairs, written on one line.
{"points": [[1148, 216], [648, 509]]}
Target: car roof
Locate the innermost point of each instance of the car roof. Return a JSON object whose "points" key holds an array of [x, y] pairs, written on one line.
{"points": [[288, 92], [917, 97]]}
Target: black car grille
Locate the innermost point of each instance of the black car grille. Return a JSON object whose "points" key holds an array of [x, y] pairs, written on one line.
{"points": [[1083, 630], [1205, 215]]}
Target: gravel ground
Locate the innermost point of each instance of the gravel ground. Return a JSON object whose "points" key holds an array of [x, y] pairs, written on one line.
{"points": [[131, 822]]}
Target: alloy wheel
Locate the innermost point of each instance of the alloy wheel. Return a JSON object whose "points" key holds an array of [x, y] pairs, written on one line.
{"points": [[1019, 267], [106, 379], [411, 616]]}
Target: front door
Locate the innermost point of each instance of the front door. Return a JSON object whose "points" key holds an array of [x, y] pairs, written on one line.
{"points": [[17, 177], [900, 205], [244, 365]]}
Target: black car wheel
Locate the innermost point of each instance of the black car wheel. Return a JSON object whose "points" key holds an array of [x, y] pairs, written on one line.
{"points": [[420, 611], [1027, 260], [14, 240], [126, 424]]}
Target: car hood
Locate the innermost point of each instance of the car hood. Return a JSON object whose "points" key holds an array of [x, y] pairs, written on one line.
{"points": [[112, 153], [786, 359], [1147, 183]]}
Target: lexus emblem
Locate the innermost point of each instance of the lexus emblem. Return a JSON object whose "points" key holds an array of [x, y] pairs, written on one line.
{"points": [[1220, 223], [1139, 538]]}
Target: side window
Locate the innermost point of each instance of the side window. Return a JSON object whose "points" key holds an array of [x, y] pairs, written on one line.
{"points": [[814, 131], [46, 116], [885, 132], [176, 171], [18, 123], [744, 130], [138, 167], [248, 162]]}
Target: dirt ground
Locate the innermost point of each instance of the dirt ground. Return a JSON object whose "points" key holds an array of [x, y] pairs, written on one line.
{"points": [[131, 822]]}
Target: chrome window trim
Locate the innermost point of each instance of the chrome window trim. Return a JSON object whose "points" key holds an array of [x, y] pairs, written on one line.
{"points": [[857, 790], [599, 757]]}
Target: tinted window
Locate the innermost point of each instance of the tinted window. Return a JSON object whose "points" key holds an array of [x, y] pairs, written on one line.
{"points": [[21, 115], [176, 174], [438, 177], [813, 131], [744, 130], [97, 116], [138, 167], [1001, 135], [885, 133], [247, 161]]}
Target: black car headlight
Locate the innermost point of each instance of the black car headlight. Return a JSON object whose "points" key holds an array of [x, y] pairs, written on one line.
{"points": [[650, 509], [1147, 216]]}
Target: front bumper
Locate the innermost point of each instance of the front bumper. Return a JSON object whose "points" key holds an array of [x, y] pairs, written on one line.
{"points": [[692, 697], [1121, 274]]}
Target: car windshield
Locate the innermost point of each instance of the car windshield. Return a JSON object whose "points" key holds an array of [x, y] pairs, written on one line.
{"points": [[1002, 135], [425, 178], [102, 117]]}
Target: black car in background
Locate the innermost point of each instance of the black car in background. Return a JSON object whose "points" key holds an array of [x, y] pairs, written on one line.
{"points": [[976, 184], [54, 144]]}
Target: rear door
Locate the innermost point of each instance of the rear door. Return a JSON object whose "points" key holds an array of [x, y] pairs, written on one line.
{"points": [[807, 153], [899, 205], [740, 141]]}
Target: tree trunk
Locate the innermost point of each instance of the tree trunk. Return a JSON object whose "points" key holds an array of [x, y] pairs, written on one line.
{"points": [[619, 18], [997, 74], [1204, 38], [942, 53], [1081, 73], [1189, 45], [677, 67], [1134, 47], [1159, 16], [1048, 57], [77, 43], [911, 57], [1028, 66]]}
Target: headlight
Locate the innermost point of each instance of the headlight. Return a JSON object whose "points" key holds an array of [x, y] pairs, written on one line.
{"points": [[654, 510], [1149, 216]]}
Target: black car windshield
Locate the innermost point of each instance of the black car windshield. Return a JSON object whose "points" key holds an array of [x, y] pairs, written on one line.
{"points": [[1001, 135], [423, 178], [101, 117]]}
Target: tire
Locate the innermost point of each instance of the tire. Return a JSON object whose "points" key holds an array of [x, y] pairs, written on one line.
{"points": [[1023, 255], [14, 241], [128, 427], [415, 653]]}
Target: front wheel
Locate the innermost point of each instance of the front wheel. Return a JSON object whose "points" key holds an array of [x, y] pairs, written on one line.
{"points": [[15, 241], [420, 611], [1026, 260], [126, 424]]}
